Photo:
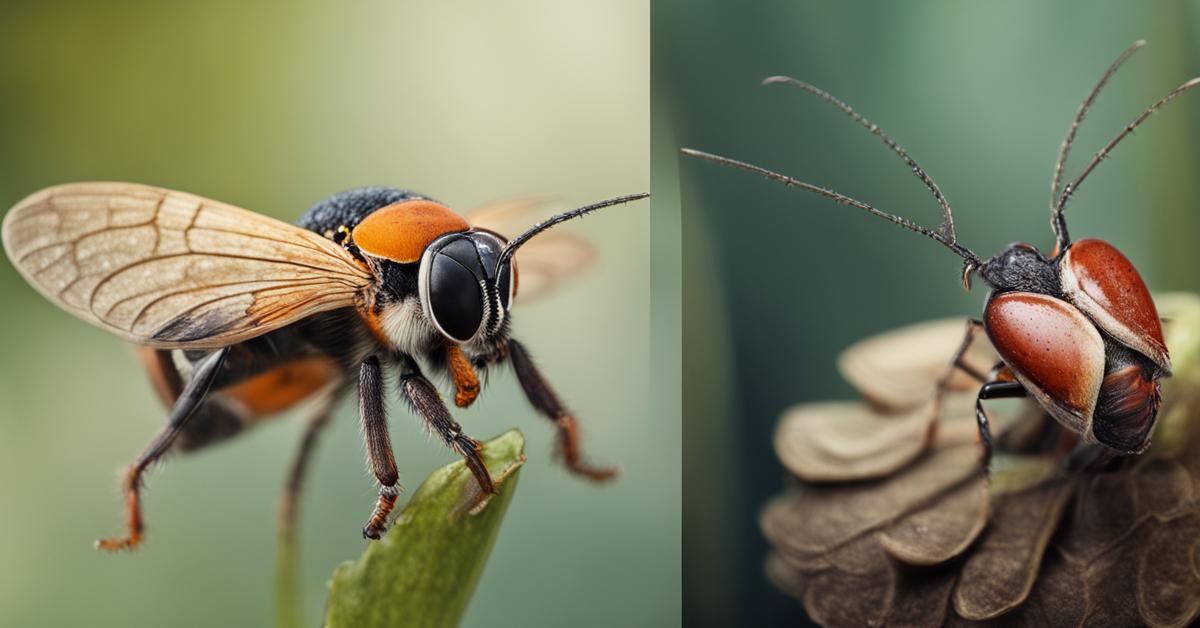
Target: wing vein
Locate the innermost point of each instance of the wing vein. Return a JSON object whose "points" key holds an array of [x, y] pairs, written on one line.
{"points": [[303, 244], [73, 241], [132, 265], [260, 321], [173, 293], [281, 313]]}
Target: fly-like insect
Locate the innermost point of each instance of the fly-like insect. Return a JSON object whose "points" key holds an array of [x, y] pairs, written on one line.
{"points": [[241, 316], [1076, 329]]}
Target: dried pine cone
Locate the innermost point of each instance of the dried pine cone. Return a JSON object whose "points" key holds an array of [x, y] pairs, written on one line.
{"points": [[888, 525]]}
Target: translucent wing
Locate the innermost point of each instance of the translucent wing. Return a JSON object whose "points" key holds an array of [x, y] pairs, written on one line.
{"points": [[170, 269], [545, 261]]}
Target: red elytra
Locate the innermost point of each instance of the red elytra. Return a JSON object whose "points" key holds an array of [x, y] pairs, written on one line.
{"points": [[1052, 348], [401, 231], [1101, 282]]}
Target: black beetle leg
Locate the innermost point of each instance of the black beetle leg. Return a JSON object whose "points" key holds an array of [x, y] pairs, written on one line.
{"points": [[943, 383], [992, 390]]}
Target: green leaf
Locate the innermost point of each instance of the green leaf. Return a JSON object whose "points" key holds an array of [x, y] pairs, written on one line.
{"points": [[424, 570]]}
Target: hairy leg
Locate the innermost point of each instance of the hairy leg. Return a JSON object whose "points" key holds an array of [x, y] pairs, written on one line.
{"points": [[546, 402]]}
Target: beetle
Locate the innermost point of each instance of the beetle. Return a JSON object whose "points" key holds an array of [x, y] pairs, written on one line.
{"points": [[1075, 329], [240, 316]]}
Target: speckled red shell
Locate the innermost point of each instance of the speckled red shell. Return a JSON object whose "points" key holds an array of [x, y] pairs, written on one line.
{"points": [[401, 231], [1053, 350], [1102, 283]]}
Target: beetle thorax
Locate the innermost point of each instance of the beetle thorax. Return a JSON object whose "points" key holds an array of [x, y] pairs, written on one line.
{"points": [[1021, 267]]}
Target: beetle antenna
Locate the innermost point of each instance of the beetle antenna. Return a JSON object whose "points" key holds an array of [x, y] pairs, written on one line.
{"points": [[948, 240], [515, 243], [947, 226], [1057, 222], [1073, 186]]}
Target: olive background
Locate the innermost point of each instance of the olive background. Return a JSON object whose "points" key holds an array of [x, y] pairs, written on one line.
{"points": [[777, 281], [272, 106]]}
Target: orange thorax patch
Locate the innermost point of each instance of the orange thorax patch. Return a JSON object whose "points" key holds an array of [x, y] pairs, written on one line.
{"points": [[282, 387], [401, 231]]}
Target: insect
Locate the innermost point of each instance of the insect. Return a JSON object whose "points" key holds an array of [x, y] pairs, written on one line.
{"points": [[241, 316], [1076, 330]]}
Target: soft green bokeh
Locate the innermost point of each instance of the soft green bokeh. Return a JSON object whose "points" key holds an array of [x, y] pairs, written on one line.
{"points": [[272, 106], [777, 281]]}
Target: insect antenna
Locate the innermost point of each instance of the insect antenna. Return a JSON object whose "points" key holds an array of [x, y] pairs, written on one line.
{"points": [[515, 243], [947, 226], [944, 234], [1070, 189], [1060, 227], [972, 260]]}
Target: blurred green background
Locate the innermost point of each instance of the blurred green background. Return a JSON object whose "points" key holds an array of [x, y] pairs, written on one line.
{"points": [[273, 106], [777, 281]]}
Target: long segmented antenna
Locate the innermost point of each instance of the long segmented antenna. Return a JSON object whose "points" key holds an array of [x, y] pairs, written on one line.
{"points": [[1073, 186], [1065, 149], [949, 241], [515, 243], [947, 226]]}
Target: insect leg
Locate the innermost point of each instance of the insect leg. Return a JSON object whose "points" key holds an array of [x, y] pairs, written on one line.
{"points": [[545, 401], [427, 403], [943, 383], [295, 477], [185, 406], [998, 389], [379, 446]]}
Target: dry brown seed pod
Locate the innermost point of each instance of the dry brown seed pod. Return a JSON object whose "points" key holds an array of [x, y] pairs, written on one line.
{"points": [[839, 441], [1116, 547], [943, 530]]}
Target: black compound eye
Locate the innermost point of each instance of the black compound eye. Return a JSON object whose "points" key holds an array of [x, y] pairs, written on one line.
{"points": [[455, 298]]}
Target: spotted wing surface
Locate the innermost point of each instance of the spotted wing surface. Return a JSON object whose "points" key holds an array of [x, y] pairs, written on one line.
{"points": [[174, 270], [544, 262]]}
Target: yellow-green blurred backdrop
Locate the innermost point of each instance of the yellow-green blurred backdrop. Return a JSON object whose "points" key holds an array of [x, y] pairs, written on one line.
{"points": [[777, 281], [272, 106]]}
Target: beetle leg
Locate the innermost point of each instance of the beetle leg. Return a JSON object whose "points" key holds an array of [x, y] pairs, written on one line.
{"points": [[992, 390], [379, 445], [943, 383], [295, 477], [185, 406], [546, 402], [427, 403]]}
